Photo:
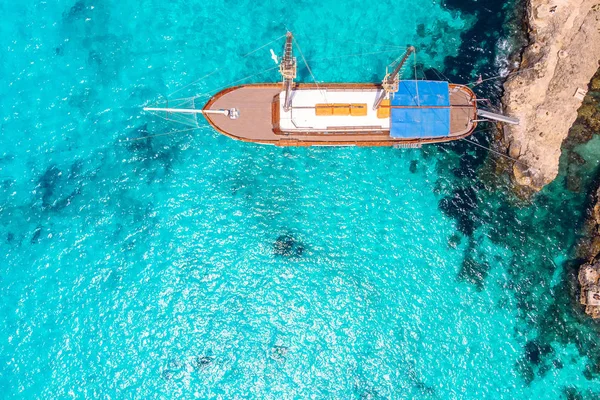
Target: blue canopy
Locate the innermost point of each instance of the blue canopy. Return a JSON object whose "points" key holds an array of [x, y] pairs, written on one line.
{"points": [[414, 119]]}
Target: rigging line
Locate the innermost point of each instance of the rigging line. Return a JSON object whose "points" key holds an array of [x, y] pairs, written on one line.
{"points": [[188, 123], [396, 60], [220, 68], [417, 80], [238, 81], [159, 134], [352, 55], [443, 77], [373, 44], [436, 73], [477, 83], [207, 94], [263, 46], [309, 70], [182, 99], [196, 81], [498, 153], [423, 74]]}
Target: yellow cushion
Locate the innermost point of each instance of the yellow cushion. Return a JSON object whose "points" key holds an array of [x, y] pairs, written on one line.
{"points": [[358, 110], [384, 109], [341, 109], [323, 110]]}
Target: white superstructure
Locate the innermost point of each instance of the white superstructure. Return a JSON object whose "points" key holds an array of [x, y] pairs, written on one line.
{"points": [[302, 115]]}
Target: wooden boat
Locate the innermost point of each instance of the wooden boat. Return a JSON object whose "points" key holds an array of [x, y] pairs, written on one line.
{"points": [[402, 113]]}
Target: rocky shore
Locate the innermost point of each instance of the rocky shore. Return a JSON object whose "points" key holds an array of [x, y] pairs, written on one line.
{"points": [[556, 67], [585, 128], [589, 273]]}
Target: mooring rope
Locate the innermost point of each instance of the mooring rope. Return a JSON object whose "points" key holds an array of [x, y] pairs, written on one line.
{"points": [[479, 82], [496, 152]]}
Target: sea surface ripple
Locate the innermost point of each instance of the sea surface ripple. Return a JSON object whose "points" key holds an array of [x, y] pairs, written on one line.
{"points": [[189, 265]]}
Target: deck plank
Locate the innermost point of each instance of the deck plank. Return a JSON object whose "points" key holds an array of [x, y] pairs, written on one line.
{"points": [[255, 122]]}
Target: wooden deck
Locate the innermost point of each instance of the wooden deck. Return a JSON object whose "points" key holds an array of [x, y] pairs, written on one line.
{"points": [[258, 107]]}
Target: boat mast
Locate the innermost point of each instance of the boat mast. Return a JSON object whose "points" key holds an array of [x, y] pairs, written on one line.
{"points": [[391, 81], [287, 68]]}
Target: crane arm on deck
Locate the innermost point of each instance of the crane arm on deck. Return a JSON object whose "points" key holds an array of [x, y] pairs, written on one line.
{"points": [[391, 80]]}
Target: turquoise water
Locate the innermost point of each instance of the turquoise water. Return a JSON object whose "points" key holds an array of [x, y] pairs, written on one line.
{"points": [[192, 266]]}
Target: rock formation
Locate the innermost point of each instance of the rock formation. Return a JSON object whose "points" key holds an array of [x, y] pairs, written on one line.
{"points": [[589, 279], [556, 67], [589, 273]]}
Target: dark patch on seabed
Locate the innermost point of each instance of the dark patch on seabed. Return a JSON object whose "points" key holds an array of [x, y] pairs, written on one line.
{"points": [[563, 321], [76, 11], [532, 231], [47, 184], [414, 164], [36, 235], [157, 160], [279, 353], [201, 362], [484, 205], [494, 20], [475, 267], [56, 190], [287, 245], [460, 206]]}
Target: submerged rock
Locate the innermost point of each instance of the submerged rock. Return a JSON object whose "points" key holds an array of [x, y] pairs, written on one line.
{"points": [[589, 272], [36, 235], [48, 183], [556, 68], [279, 353], [462, 206], [474, 270], [413, 166], [589, 279], [534, 351], [166, 374], [202, 362], [287, 246], [454, 241]]}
